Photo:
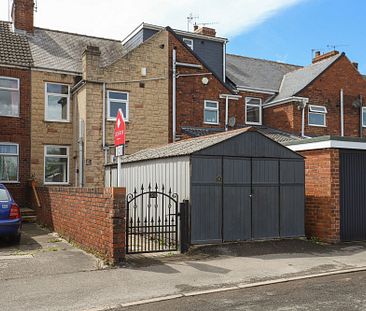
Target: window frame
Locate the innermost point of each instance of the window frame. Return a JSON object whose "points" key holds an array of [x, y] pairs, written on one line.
{"points": [[312, 110], [11, 154], [191, 44], [217, 109], [363, 119], [247, 99], [126, 101], [9, 89], [67, 156], [56, 94]]}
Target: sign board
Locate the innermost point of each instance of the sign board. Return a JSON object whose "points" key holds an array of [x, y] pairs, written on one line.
{"points": [[120, 151], [120, 130]]}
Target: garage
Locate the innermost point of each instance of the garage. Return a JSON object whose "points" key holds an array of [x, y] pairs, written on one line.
{"points": [[241, 185], [353, 195]]}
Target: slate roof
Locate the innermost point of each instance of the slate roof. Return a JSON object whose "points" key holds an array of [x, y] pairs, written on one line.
{"points": [[256, 73], [293, 82], [58, 50], [274, 134], [14, 47], [184, 147]]}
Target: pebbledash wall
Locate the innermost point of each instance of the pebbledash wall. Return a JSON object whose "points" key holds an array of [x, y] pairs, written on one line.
{"points": [[322, 191], [324, 91], [91, 217], [17, 130]]}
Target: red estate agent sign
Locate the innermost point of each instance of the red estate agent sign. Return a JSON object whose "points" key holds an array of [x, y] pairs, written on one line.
{"points": [[120, 130]]}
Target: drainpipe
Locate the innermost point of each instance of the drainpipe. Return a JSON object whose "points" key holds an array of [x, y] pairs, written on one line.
{"points": [[224, 63], [361, 116], [342, 113], [304, 103], [104, 124], [81, 153], [174, 95], [227, 113]]}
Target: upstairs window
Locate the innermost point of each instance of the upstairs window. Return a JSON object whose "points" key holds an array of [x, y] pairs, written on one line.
{"points": [[253, 110], [9, 161], [189, 42], [116, 101], [9, 97], [363, 116], [317, 115], [57, 102], [211, 112], [56, 165]]}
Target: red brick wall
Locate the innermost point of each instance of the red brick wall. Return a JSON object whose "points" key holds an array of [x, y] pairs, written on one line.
{"points": [[325, 91], [17, 130], [91, 217], [322, 209]]}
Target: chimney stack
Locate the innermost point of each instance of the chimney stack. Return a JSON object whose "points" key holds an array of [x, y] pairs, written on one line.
{"points": [[318, 57], [205, 31], [23, 15]]}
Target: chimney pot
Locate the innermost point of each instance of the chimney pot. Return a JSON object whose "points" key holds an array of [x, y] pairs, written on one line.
{"points": [[318, 57], [23, 15]]}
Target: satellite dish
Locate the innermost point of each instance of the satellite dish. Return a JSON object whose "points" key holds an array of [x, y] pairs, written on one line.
{"points": [[357, 103], [232, 121]]}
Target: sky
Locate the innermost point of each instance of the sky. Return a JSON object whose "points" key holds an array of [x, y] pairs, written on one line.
{"points": [[281, 30]]}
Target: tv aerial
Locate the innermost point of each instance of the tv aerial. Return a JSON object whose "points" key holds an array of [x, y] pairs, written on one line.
{"points": [[191, 19]]}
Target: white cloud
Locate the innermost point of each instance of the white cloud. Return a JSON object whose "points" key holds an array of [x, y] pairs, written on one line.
{"points": [[116, 18]]}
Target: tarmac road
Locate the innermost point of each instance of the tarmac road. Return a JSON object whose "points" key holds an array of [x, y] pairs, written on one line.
{"points": [[339, 292]]}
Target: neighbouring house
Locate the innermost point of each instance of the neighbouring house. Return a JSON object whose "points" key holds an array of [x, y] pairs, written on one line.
{"points": [[15, 112]]}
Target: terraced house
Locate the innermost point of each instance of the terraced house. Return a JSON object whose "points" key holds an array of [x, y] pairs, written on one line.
{"points": [[173, 85]]}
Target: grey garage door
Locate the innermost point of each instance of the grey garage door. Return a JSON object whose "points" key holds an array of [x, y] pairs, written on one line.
{"points": [[246, 198], [353, 195]]}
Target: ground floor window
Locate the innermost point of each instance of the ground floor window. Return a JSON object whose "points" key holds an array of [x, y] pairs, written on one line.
{"points": [[317, 115], [9, 162], [56, 165], [364, 116]]}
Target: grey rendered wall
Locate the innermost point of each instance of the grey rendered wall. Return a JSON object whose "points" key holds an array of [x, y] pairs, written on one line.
{"points": [[139, 38]]}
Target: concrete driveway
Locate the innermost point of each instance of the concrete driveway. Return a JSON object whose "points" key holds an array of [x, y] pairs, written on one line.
{"points": [[41, 253]]}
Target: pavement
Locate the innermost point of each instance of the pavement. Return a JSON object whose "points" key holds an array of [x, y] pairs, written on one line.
{"points": [[69, 279]]}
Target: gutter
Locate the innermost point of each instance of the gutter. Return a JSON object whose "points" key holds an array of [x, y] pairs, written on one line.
{"points": [[256, 90], [285, 100]]}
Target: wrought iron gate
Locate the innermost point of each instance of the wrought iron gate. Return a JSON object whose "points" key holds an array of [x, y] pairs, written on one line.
{"points": [[152, 221]]}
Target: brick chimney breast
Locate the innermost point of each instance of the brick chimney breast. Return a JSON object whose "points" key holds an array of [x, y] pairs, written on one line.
{"points": [[205, 31], [23, 15]]}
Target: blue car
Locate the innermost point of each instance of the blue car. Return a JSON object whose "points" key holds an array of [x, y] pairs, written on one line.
{"points": [[10, 217]]}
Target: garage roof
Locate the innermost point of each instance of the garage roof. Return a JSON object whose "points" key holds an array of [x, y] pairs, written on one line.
{"points": [[184, 147]]}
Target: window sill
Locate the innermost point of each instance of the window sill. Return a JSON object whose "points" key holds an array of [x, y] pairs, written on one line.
{"points": [[209, 123], [6, 116], [253, 123], [55, 121], [114, 120], [316, 125], [9, 182], [56, 184]]}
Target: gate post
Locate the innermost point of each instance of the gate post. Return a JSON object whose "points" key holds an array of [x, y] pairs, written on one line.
{"points": [[185, 230]]}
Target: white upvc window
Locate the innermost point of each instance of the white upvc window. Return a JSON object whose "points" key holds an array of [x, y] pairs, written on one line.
{"points": [[56, 165], [317, 116], [253, 110], [363, 116], [9, 162], [57, 102], [189, 42], [211, 112], [9, 97], [116, 101]]}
